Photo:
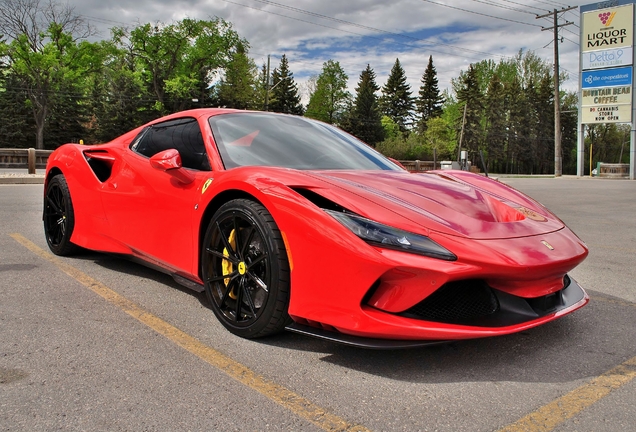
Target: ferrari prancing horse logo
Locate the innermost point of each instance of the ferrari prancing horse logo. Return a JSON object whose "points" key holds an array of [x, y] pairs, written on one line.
{"points": [[205, 185], [548, 245]]}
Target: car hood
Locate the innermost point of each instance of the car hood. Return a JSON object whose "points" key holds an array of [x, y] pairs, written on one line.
{"points": [[449, 202]]}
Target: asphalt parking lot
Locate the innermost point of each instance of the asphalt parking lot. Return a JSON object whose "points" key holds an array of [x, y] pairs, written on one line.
{"points": [[97, 343]]}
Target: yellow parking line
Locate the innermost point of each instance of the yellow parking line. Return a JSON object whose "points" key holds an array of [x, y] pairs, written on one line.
{"points": [[279, 394], [558, 411]]}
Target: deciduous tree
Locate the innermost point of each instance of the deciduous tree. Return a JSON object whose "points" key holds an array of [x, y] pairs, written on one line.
{"points": [[329, 100]]}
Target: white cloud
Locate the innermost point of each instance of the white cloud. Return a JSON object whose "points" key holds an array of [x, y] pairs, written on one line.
{"points": [[308, 45]]}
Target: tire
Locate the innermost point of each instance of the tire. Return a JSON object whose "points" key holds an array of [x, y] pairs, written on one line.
{"points": [[245, 270], [58, 217]]}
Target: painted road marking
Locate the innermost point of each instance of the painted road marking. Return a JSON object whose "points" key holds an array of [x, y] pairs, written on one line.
{"points": [[558, 411], [279, 394]]}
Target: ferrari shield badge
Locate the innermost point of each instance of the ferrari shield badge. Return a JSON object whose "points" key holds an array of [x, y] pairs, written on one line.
{"points": [[207, 183]]}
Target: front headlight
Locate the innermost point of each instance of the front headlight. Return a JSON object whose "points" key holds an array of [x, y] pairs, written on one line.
{"points": [[388, 237]]}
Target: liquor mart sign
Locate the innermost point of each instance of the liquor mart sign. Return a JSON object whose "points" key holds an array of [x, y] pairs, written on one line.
{"points": [[605, 29]]}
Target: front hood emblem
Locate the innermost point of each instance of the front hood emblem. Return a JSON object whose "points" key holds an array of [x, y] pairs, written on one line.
{"points": [[531, 214], [548, 245]]}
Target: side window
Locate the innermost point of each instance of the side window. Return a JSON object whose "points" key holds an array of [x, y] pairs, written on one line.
{"points": [[184, 135]]}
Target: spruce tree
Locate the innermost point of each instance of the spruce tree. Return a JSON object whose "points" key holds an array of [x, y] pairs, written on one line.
{"points": [[16, 119], [237, 90], [396, 101], [496, 122], [545, 128], [518, 129], [429, 102], [364, 120], [284, 95]]}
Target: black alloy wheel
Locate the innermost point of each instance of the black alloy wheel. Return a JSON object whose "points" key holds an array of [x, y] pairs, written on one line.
{"points": [[59, 219], [245, 269]]}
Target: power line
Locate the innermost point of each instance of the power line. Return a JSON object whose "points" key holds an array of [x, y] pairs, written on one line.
{"points": [[521, 4], [489, 3], [482, 14], [361, 26], [551, 4]]}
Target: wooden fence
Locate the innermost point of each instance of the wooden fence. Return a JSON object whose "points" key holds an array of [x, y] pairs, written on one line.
{"points": [[610, 170], [419, 166], [24, 158]]}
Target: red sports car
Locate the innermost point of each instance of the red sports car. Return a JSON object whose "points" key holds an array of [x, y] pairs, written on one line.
{"points": [[289, 223]]}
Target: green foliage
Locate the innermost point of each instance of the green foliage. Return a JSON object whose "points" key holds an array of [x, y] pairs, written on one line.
{"points": [[439, 136], [16, 119], [328, 102], [610, 143], [364, 119], [391, 128], [284, 95], [57, 86], [178, 61], [238, 88], [405, 148], [396, 101], [469, 123], [119, 97], [496, 122], [54, 64]]}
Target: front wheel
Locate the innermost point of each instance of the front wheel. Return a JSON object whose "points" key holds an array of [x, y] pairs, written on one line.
{"points": [[59, 218], [245, 269]]}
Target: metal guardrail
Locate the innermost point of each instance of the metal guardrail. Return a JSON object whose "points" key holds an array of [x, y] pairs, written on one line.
{"points": [[29, 159]]}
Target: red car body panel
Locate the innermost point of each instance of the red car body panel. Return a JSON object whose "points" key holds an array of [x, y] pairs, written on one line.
{"points": [[338, 281]]}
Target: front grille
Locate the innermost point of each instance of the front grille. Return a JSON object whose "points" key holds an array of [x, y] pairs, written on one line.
{"points": [[457, 303]]}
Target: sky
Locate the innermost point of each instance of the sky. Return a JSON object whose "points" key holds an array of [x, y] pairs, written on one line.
{"points": [[375, 32]]}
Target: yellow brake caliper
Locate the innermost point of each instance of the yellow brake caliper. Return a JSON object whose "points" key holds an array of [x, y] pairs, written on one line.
{"points": [[226, 265]]}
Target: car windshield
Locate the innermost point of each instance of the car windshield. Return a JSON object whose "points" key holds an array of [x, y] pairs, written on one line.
{"points": [[265, 139]]}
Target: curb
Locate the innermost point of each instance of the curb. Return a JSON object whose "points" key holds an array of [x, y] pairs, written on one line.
{"points": [[22, 180]]}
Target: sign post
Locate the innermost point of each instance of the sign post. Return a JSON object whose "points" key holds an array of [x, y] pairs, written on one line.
{"points": [[606, 63]]}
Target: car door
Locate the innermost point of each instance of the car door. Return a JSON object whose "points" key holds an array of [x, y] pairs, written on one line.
{"points": [[151, 211]]}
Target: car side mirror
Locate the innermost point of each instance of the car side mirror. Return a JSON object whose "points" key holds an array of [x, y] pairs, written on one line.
{"points": [[169, 161]]}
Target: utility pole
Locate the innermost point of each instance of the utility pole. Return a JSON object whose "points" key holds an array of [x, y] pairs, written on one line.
{"points": [[558, 158], [266, 108], [461, 134]]}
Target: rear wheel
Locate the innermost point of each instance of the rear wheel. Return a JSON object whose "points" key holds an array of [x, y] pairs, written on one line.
{"points": [[245, 269], [59, 218]]}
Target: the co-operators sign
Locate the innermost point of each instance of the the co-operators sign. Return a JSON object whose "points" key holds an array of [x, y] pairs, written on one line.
{"points": [[607, 77]]}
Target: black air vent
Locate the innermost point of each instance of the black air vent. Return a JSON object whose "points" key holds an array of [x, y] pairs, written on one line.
{"points": [[100, 162], [457, 303]]}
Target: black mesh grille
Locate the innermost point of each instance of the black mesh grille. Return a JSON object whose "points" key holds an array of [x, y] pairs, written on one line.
{"points": [[457, 302]]}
